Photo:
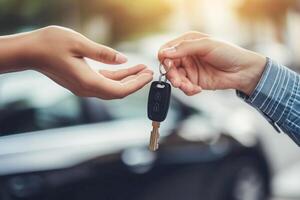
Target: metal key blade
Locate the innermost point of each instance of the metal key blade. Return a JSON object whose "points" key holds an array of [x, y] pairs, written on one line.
{"points": [[153, 145]]}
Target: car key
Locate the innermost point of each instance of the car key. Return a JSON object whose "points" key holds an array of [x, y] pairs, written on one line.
{"points": [[158, 106]]}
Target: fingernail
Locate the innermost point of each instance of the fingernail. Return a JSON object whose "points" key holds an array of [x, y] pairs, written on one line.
{"points": [[168, 63], [120, 58], [169, 50]]}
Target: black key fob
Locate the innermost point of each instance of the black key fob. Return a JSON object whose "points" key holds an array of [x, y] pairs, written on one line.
{"points": [[159, 101]]}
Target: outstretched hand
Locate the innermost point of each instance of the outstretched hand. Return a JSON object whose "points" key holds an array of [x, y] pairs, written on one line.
{"points": [[59, 53]]}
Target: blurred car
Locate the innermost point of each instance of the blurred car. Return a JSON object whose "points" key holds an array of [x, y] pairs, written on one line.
{"points": [[55, 145]]}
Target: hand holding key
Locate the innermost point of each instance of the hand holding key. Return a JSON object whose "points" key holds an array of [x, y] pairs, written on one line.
{"points": [[199, 62]]}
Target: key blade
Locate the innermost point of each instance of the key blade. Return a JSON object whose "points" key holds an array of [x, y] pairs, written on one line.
{"points": [[153, 145]]}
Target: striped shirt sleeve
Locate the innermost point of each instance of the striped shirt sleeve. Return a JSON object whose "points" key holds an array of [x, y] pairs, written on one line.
{"points": [[277, 97]]}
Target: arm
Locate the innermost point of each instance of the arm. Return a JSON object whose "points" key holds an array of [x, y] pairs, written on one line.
{"points": [[59, 53], [200, 62], [277, 97], [11, 48]]}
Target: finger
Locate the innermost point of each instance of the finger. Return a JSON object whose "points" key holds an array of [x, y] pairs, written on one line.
{"points": [[121, 74], [139, 82], [182, 72], [172, 72], [187, 86], [176, 62], [147, 71], [191, 69], [195, 91], [128, 78], [93, 85], [177, 76], [132, 77], [101, 53], [169, 63], [131, 85], [192, 35], [189, 89], [186, 48], [174, 77]]}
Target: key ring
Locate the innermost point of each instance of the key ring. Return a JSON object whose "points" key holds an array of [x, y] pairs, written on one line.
{"points": [[161, 76], [163, 72]]}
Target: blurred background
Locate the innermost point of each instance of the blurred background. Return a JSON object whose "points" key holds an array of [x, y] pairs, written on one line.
{"points": [[54, 145]]}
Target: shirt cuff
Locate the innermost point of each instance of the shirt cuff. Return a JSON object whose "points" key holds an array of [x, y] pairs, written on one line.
{"points": [[273, 93]]}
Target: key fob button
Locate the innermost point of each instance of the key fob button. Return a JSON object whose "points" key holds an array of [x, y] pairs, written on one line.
{"points": [[157, 96], [156, 107]]}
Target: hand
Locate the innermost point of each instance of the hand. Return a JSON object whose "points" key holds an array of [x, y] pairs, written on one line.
{"points": [[59, 54], [200, 62]]}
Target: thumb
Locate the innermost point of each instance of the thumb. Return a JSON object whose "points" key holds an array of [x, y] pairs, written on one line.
{"points": [[102, 53], [200, 47]]}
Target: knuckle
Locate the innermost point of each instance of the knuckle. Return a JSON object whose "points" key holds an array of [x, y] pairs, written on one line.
{"points": [[75, 44]]}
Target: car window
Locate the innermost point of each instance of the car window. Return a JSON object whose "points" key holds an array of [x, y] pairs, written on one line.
{"points": [[35, 103]]}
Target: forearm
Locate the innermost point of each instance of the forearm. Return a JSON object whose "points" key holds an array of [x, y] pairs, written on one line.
{"points": [[13, 52], [277, 96]]}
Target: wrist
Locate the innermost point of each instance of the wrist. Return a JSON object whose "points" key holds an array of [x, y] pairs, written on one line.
{"points": [[13, 52], [251, 73]]}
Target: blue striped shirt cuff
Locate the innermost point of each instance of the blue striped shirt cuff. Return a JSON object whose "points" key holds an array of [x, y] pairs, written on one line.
{"points": [[274, 94]]}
